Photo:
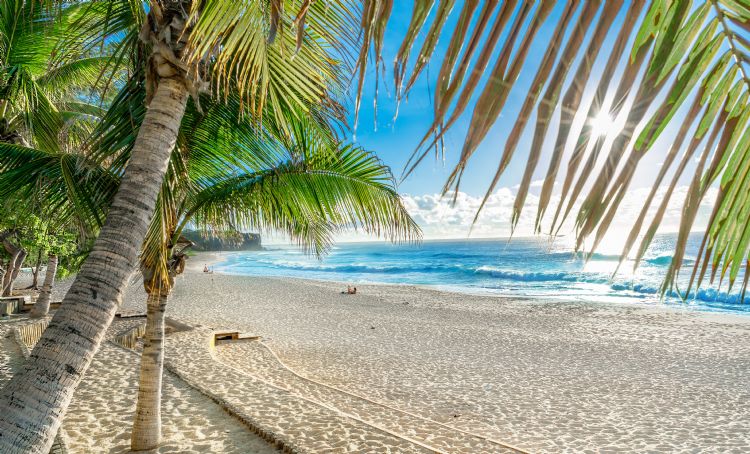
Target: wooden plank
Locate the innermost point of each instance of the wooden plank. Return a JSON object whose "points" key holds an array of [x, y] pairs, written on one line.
{"points": [[12, 304]]}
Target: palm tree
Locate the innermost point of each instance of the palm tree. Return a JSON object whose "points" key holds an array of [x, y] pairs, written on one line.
{"points": [[39, 83], [280, 76], [40, 80], [41, 307], [64, 189], [308, 199], [305, 185]]}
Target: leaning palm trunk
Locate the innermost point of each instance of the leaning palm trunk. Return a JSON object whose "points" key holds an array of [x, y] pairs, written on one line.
{"points": [[33, 403], [41, 307], [18, 255], [147, 423]]}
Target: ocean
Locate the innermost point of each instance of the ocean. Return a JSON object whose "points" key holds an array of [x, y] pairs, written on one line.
{"points": [[520, 267]]}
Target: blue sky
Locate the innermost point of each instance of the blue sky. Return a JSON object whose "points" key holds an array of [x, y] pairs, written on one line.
{"points": [[395, 141]]}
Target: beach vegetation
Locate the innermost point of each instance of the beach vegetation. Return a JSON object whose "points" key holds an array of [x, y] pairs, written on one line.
{"points": [[306, 185], [42, 107], [25, 235], [278, 166]]}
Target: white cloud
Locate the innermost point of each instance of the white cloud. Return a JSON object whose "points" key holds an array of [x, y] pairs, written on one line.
{"points": [[440, 218]]}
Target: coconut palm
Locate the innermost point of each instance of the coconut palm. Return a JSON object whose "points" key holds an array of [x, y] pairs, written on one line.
{"points": [[41, 307], [39, 87], [40, 81], [281, 76], [309, 198], [305, 185], [60, 199]]}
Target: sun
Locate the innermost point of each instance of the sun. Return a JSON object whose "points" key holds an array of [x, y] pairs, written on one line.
{"points": [[602, 124]]}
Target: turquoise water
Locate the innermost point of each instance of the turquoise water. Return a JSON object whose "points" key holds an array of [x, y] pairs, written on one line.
{"points": [[522, 266]]}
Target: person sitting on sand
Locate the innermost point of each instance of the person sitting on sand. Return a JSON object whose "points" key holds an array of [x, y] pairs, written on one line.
{"points": [[205, 268]]}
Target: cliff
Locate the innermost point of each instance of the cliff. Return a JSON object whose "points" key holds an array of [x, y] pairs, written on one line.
{"points": [[234, 241]]}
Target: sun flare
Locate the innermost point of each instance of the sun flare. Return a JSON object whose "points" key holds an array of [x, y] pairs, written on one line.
{"points": [[602, 124]]}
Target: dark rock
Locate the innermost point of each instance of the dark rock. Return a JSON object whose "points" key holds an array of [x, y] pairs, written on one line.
{"points": [[231, 241]]}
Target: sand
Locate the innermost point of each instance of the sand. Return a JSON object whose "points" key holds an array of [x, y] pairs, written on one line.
{"points": [[546, 376], [299, 423], [408, 369], [99, 419]]}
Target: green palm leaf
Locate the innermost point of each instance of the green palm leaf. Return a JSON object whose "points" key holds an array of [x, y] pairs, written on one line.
{"points": [[684, 56], [70, 187]]}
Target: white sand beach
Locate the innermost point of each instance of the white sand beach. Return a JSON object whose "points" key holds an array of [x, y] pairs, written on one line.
{"points": [[408, 369], [545, 376]]}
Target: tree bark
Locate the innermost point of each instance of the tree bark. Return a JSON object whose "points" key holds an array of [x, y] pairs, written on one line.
{"points": [[35, 273], [41, 307], [147, 422], [33, 403], [14, 267], [7, 272], [8, 276]]}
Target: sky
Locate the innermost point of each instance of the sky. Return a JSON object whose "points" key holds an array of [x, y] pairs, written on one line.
{"points": [[395, 140]]}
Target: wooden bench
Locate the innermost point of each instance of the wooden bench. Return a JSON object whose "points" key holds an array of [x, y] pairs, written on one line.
{"points": [[231, 336], [130, 315], [28, 306], [13, 304]]}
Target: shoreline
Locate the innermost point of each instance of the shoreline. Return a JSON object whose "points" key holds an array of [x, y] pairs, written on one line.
{"points": [[213, 258]]}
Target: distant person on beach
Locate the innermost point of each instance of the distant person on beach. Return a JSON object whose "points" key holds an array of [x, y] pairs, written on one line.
{"points": [[205, 268], [350, 290]]}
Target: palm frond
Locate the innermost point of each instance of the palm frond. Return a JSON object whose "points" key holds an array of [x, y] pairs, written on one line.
{"points": [[36, 113], [114, 136], [273, 77], [348, 188], [228, 173], [75, 76], [70, 187], [683, 62]]}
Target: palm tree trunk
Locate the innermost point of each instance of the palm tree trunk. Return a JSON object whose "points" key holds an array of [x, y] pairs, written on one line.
{"points": [[14, 267], [35, 282], [147, 422], [41, 307], [33, 403], [6, 275]]}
